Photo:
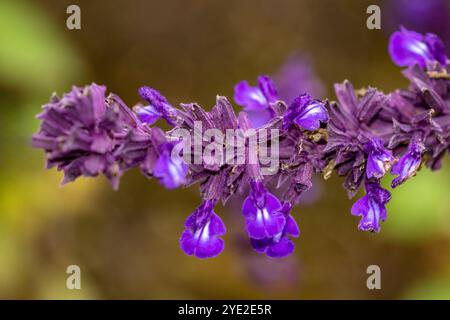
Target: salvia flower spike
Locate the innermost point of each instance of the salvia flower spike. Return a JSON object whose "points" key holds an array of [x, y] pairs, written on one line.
{"points": [[362, 136]]}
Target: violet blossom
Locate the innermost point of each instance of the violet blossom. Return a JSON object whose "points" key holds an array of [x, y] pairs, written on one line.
{"points": [[372, 207], [261, 211], [379, 160], [256, 100], [409, 47], [306, 112], [279, 245], [409, 163], [203, 229]]}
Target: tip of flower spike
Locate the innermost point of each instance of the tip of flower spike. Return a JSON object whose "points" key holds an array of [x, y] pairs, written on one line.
{"points": [[81, 131]]}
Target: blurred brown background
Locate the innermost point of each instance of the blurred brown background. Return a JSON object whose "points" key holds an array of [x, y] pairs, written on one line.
{"points": [[126, 242]]}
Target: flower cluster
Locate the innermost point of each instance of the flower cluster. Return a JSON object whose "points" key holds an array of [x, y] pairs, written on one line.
{"points": [[362, 136]]}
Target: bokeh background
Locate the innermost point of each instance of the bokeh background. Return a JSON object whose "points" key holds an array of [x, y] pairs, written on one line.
{"points": [[126, 242]]}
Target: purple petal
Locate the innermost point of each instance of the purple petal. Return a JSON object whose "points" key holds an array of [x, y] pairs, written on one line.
{"points": [[279, 245], [436, 47], [251, 98], [371, 220], [371, 207], [267, 87], [281, 249], [306, 112], [204, 242], [171, 172], [360, 207], [291, 227], [408, 48], [260, 245], [311, 116], [261, 222], [148, 114], [261, 210], [374, 167], [409, 163], [379, 160], [406, 167]]}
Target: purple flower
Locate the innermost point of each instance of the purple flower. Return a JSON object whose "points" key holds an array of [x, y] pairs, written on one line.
{"points": [[408, 48], [159, 107], [171, 171], [81, 131], [279, 245], [379, 160], [306, 112], [261, 210], [371, 207], [147, 114], [256, 100], [202, 231], [409, 163], [422, 16]]}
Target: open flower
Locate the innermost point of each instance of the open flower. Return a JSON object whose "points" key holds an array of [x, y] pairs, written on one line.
{"points": [[408, 48], [202, 231], [306, 112], [256, 100], [279, 245], [371, 207], [171, 171], [379, 160], [409, 163], [261, 210]]}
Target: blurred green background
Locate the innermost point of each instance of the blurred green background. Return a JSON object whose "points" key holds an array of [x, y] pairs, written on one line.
{"points": [[126, 242]]}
